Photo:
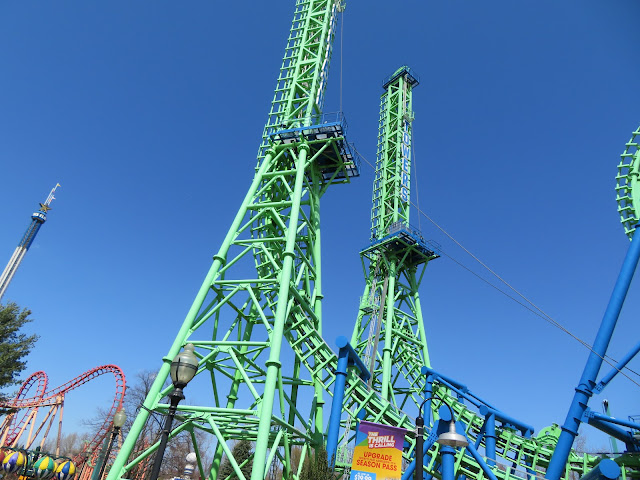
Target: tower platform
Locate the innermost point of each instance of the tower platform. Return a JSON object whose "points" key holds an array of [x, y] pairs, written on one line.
{"points": [[404, 241], [411, 78], [337, 161]]}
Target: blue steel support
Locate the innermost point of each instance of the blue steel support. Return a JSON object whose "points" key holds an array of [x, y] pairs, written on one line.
{"points": [[490, 438], [346, 357], [507, 420], [584, 390], [607, 469], [448, 455], [461, 389], [480, 436], [605, 418], [471, 450], [606, 425], [620, 365]]}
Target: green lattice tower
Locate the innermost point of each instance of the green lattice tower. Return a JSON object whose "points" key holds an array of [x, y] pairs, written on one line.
{"points": [[389, 333], [256, 321]]}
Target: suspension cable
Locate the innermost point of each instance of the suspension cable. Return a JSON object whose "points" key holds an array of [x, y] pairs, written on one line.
{"points": [[341, 43], [532, 307], [415, 173]]}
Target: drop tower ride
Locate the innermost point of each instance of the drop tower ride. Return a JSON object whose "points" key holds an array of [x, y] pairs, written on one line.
{"points": [[389, 333], [37, 220]]}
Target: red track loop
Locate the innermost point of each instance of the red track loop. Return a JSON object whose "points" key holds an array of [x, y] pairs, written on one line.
{"points": [[20, 418], [43, 398]]}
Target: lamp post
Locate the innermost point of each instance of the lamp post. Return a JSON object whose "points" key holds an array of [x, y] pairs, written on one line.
{"points": [[118, 421], [446, 439], [183, 369]]}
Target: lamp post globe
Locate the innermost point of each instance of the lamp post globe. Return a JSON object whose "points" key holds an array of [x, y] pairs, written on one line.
{"points": [[119, 418], [452, 438], [118, 421], [183, 368]]}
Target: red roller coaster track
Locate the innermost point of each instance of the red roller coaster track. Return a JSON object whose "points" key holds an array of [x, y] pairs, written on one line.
{"points": [[26, 407]]}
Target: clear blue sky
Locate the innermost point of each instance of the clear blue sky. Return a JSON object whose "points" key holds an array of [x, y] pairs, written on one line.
{"points": [[149, 114]]}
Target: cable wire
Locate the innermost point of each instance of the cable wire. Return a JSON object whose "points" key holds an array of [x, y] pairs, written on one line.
{"points": [[535, 310], [415, 170], [341, 43]]}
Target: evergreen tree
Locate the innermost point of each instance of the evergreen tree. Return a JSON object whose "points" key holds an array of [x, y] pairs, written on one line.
{"points": [[242, 453], [316, 467], [14, 346]]}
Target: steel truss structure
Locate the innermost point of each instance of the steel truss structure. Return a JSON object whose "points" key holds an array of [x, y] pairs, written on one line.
{"points": [[389, 333], [256, 321]]}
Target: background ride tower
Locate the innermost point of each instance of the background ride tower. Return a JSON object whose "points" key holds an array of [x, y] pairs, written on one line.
{"points": [[37, 219], [256, 321], [389, 334]]}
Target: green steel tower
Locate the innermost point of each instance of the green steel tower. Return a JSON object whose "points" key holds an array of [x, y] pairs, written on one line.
{"points": [[389, 334], [255, 325], [256, 322]]}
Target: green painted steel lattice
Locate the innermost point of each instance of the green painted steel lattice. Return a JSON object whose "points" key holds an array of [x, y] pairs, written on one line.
{"points": [[627, 188], [256, 320], [389, 333]]}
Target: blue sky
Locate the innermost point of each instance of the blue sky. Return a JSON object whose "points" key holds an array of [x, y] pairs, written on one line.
{"points": [[150, 114]]}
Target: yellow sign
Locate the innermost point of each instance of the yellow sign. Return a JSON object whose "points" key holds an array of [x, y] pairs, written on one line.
{"points": [[378, 452]]}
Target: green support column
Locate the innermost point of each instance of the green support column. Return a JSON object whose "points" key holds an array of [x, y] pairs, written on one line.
{"points": [[274, 364]]}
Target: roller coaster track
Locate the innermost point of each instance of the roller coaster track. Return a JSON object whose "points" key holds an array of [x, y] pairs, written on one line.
{"points": [[517, 456], [626, 184], [24, 409]]}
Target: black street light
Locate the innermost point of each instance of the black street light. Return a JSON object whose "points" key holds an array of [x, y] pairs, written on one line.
{"points": [[118, 421], [183, 369], [448, 439]]}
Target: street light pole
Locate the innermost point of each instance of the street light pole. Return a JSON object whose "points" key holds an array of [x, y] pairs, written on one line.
{"points": [[118, 421], [175, 398], [418, 475], [183, 369]]}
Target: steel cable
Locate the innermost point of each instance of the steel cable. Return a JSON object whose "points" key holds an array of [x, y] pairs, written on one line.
{"points": [[535, 310]]}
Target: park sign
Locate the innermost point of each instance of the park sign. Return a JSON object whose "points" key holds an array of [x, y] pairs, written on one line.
{"points": [[378, 452]]}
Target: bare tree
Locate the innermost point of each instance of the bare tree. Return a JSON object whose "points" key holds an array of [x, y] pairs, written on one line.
{"points": [[70, 444], [174, 459]]}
